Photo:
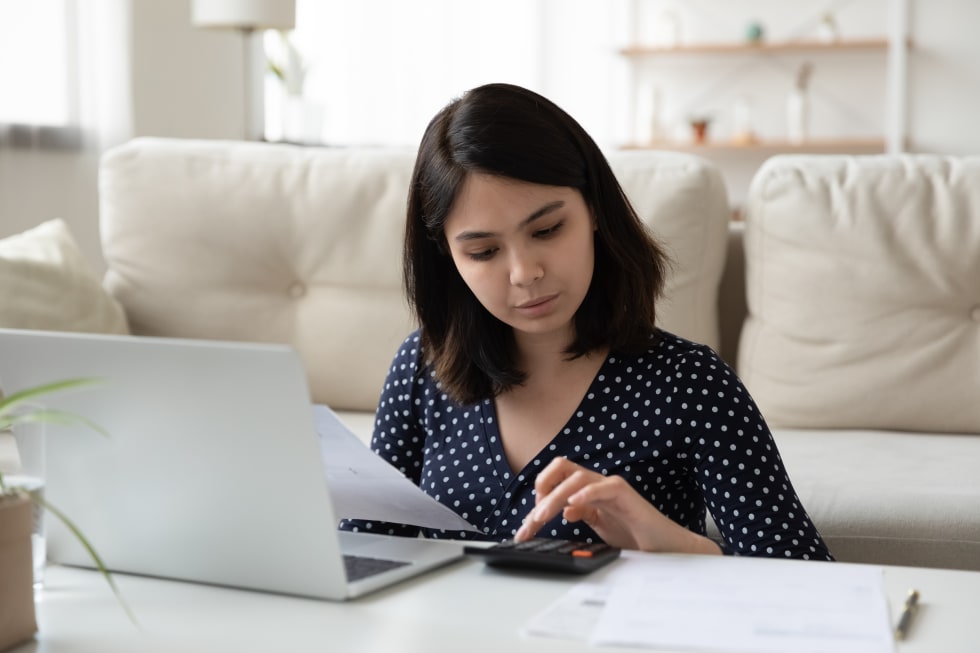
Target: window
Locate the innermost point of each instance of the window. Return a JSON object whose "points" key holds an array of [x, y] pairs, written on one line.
{"points": [[375, 71], [39, 102], [35, 63]]}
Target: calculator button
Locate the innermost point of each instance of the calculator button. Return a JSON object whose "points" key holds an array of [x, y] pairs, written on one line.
{"points": [[549, 545]]}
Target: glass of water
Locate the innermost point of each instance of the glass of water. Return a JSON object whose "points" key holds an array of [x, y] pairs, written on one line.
{"points": [[29, 477]]}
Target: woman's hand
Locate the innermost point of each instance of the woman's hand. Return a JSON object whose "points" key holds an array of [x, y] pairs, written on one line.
{"points": [[611, 507]]}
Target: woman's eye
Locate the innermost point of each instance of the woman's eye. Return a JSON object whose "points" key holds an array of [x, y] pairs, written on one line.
{"points": [[550, 231], [483, 255]]}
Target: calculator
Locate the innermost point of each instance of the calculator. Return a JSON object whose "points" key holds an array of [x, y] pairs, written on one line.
{"points": [[545, 554]]}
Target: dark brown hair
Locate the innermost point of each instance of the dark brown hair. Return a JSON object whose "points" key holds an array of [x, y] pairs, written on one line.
{"points": [[506, 130]]}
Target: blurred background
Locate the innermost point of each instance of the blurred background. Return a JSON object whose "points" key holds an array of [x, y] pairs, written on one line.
{"points": [[735, 81]]}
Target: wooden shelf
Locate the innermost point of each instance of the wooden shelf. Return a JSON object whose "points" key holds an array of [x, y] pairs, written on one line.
{"points": [[764, 47], [825, 146]]}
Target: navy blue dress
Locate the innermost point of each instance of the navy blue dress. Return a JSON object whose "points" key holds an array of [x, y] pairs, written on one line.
{"points": [[675, 422]]}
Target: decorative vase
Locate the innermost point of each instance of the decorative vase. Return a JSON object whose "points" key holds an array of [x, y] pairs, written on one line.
{"points": [[699, 130], [827, 31], [755, 32], [302, 121], [18, 623], [649, 126], [667, 29], [797, 117], [742, 131]]}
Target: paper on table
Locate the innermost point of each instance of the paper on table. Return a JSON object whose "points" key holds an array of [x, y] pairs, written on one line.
{"points": [[740, 604], [573, 616], [364, 486]]}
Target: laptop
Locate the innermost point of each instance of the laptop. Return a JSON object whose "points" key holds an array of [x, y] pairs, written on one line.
{"points": [[211, 471]]}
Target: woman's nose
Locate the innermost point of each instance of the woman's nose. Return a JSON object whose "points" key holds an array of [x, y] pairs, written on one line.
{"points": [[525, 269]]}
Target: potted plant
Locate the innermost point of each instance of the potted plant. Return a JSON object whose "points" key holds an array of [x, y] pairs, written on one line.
{"points": [[17, 518], [16, 569]]}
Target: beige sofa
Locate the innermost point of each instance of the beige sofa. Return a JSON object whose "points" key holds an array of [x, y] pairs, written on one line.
{"points": [[848, 301]]}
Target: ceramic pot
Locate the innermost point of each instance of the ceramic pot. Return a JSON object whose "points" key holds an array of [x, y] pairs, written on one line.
{"points": [[17, 619]]}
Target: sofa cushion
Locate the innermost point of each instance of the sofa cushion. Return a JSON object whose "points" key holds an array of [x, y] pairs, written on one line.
{"points": [[249, 241], [46, 283], [682, 198], [863, 288], [269, 243]]}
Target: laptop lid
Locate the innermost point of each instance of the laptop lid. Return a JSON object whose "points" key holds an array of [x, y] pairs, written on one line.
{"points": [[212, 470]]}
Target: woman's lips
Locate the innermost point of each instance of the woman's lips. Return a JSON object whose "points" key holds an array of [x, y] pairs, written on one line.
{"points": [[537, 305]]}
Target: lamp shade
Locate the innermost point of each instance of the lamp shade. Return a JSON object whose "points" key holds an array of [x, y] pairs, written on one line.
{"points": [[244, 14]]}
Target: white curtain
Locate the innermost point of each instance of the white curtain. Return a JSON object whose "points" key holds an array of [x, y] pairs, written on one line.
{"points": [[104, 88], [64, 81], [49, 163], [375, 71]]}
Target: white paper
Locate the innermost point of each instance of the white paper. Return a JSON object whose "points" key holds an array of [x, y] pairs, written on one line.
{"points": [[705, 603], [364, 486], [573, 616]]}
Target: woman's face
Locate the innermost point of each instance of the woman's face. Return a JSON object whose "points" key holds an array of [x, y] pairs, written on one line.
{"points": [[525, 250]]}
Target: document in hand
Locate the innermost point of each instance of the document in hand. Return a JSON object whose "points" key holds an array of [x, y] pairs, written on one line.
{"points": [[705, 603], [364, 486]]}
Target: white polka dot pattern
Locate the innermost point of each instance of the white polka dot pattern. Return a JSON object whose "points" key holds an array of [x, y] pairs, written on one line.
{"points": [[675, 422]]}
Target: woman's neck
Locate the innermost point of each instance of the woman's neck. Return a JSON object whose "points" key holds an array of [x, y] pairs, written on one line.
{"points": [[546, 356], [542, 351], [530, 415]]}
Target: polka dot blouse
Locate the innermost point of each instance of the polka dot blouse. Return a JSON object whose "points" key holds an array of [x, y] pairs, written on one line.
{"points": [[675, 422]]}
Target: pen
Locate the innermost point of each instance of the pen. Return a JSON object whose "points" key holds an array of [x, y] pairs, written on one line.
{"points": [[904, 621]]}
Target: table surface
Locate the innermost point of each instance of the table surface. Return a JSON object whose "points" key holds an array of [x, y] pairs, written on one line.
{"points": [[459, 607]]}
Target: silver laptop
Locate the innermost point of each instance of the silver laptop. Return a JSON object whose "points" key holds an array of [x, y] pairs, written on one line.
{"points": [[212, 470]]}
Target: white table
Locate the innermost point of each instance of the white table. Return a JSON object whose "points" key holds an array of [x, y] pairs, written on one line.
{"points": [[464, 607]]}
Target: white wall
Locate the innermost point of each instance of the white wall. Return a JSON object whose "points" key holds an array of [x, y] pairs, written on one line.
{"points": [[36, 186], [187, 83], [944, 94]]}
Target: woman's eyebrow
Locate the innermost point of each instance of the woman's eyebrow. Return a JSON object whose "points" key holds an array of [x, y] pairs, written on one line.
{"points": [[540, 213]]}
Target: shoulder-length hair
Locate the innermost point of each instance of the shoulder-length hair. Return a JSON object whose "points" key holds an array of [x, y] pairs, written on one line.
{"points": [[506, 130]]}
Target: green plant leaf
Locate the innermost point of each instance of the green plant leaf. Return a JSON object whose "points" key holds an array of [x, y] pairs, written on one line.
{"points": [[11, 402], [12, 407], [48, 417], [91, 551], [277, 70]]}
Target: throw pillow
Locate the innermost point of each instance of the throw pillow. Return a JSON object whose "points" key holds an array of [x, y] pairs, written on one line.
{"points": [[46, 284]]}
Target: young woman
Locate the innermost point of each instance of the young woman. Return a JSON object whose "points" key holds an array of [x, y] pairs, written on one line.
{"points": [[538, 398]]}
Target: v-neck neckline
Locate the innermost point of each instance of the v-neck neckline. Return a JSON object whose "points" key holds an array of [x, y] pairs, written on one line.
{"points": [[502, 468]]}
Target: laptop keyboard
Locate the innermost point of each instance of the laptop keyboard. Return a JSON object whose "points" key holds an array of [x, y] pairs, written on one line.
{"points": [[359, 567]]}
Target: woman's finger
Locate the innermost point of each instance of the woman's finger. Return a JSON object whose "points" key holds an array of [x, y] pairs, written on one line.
{"points": [[554, 485], [552, 475], [550, 505], [612, 492]]}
